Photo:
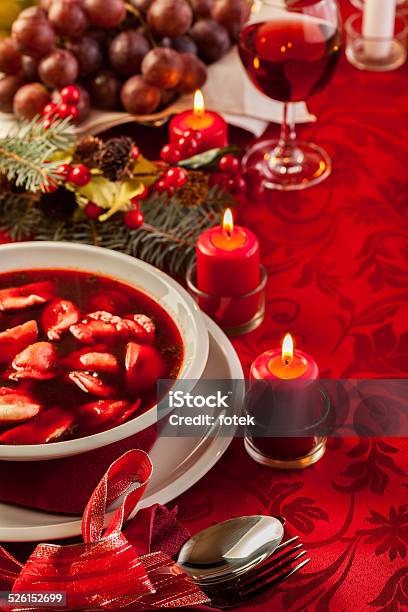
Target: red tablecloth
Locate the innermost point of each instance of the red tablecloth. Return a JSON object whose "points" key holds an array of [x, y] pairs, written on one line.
{"points": [[337, 257]]}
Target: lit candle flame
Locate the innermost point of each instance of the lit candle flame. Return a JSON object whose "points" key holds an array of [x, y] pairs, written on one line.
{"points": [[199, 107], [228, 222], [287, 349]]}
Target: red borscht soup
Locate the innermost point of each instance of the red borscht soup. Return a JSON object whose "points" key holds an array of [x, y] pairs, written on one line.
{"points": [[80, 353]]}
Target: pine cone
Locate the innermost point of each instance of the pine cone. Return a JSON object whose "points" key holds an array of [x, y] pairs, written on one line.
{"points": [[195, 191], [87, 151], [115, 158], [59, 205]]}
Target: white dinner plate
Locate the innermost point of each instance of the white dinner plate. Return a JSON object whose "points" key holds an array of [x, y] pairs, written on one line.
{"points": [[159, 286], [178, 462]]}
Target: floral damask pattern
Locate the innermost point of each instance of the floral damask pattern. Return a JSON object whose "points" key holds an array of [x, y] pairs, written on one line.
{"points": [[337, 258], [390, 533]]}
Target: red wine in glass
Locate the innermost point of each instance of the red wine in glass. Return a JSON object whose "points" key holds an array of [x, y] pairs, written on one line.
{"points": [[290, 58]]}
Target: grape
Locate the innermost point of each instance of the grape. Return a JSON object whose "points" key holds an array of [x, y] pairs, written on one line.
{"points": [[231, 14], [202, 8], [84, 104], [32, 33], [166, 97], [10, 57], [99, 36], [184, 44], [30, 68], [170, 17], [194, 73], [58, 69], [104, 88], [30, 100], [67, 17], [126, 52], [141, 5], [105, 13], [165, 42], [211, 39], [163, 67], [88, 54], [139, 97], [8, 87]]}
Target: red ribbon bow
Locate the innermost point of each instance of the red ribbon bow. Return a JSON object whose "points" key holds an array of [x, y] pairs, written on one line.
{"points": [[106, 571]]}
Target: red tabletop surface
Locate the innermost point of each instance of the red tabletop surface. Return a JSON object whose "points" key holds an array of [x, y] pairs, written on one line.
{"points": [[337, 258]]}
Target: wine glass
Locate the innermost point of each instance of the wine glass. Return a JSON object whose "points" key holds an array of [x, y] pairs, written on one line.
{"points": [[290, 49]]}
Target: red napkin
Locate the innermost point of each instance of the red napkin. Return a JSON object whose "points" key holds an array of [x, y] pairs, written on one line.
{"points": [[64, 485]]}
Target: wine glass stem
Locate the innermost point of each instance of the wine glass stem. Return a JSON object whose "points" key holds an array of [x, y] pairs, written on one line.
{"points": [[287, 158]]}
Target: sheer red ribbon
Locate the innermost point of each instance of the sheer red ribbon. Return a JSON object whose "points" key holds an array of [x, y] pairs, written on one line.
{"points": [[106, 571]]}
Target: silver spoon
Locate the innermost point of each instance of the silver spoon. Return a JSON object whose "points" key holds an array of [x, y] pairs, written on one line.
{"points": [[226, 550]]}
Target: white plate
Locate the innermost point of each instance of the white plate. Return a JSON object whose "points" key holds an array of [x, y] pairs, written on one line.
{"points": [[148, 279], [178, 463]]}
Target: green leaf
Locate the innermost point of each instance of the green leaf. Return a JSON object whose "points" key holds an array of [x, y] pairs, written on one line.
{"points": [[207, 158], [144, 166], [126, 190], [101, 191]]}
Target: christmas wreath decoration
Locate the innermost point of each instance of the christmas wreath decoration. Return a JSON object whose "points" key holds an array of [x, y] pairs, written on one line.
{"points": [[55, 187]]}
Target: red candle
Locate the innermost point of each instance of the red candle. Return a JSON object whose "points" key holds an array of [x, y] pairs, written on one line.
{"points": [[285, 363], [228, 266], [212, 126], [282, 365], [228, 259]]}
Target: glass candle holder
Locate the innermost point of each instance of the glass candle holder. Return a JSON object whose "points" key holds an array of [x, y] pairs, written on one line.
{"points": [[376, 54], [291, 420], [236, 315]]}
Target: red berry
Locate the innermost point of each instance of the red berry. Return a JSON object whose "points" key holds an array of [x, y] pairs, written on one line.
{"points": [[70, 95], [47, 124], [80, 175], [229, 164], [63, 110], [63, 171], [217, 180], [188, 134], [170, 154], [175, 177], [135, 152], [134, 219], [161, 186], [193, 146], [236, 184], [193, 135], [93, 211], [73, 112], [187, 146], [141, 196], [49, 109], [50, 187]]}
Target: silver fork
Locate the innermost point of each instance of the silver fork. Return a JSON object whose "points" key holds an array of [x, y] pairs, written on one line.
{"points": [[277, 568]]}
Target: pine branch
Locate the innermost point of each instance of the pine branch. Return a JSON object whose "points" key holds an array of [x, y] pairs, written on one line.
{"points": [[25, 153], [166, 240]]}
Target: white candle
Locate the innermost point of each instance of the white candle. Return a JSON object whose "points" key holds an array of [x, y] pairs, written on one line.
{"points": [[378, 23]]}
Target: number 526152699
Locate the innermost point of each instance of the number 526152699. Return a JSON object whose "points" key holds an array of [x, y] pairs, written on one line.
{"points": [[56, 598]]}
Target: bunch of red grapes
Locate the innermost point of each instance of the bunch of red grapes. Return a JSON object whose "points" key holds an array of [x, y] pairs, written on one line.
{"points": [[136, 57]]}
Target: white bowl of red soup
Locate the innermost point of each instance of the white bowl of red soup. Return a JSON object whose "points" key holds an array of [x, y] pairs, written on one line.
{"points": [[85, 335]]}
